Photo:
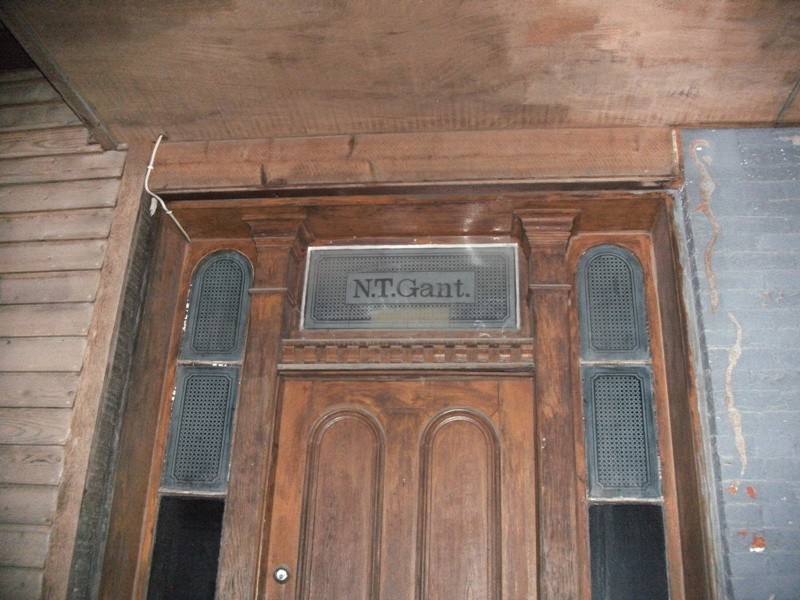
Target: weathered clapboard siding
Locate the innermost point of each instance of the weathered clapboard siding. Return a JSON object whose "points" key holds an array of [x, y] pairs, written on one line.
{"points": [[36, 116], [45, 288], [65, 140], [28, 91], [27, 504], [85, 224], [58, 194], [41, 354], [23, 545], [20, 75], [30, 257], [27, 320], [63, 167], [41, 390], [35, 426], [21, 583], [32, 465]]}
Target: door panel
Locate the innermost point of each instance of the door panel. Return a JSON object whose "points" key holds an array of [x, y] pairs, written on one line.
{"points": [[344, 462], [460, 508], [404, 489]]}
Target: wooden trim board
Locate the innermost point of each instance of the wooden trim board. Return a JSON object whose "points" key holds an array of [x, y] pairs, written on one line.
{"points": [[618, 157]]}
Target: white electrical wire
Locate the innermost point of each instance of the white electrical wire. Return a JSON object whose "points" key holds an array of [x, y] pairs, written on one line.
{"points": [[155, 199]]}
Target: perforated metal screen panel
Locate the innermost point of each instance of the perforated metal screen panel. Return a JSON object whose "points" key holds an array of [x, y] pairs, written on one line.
{"points": [[414, 287], [199, 440], [217, 308], [620, 441], [611, 297]]}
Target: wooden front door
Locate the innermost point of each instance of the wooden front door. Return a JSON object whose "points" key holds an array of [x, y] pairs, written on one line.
{"points": [[403, 489]]}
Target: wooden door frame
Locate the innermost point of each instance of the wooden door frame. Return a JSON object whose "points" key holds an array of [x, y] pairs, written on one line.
{"points": [[275, 233]]}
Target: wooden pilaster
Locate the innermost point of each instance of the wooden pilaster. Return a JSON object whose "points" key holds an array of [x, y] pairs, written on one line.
{"points": [[545, 235], [280, 241]]}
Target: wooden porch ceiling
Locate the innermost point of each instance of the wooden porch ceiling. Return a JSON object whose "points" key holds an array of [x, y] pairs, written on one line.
{"points": [[223, 69]]}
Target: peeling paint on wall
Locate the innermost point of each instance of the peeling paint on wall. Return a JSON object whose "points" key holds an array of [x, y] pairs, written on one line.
{"points": [[734, 416], [758, 543], [794, 140], [707, 187]]}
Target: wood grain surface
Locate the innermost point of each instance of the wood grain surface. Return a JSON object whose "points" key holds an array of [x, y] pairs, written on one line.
{"points": [[248, 69], [57, 193], [622, 156]]}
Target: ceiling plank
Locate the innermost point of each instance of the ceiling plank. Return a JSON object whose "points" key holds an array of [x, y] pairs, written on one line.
{"points": [[61, 82], [248, 69]]}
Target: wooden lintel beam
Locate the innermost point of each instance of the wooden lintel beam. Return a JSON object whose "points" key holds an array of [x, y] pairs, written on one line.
{"points": [[613, 157]]}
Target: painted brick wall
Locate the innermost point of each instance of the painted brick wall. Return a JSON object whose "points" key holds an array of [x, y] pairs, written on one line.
{"points": [[741, 211]]}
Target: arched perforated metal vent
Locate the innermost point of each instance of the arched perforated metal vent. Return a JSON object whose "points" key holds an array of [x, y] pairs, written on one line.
{"points": [[199, 441], [217, 308], [198, 450], [611, 298], [621, 447], [626, 536], [620, 442]]}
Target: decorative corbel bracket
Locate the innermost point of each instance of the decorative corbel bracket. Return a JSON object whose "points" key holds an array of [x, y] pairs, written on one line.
{"points": [[544, 236], [281, 239]]}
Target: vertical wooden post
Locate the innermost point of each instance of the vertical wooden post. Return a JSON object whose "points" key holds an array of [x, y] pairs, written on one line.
{"points": [[280, 240], [124, 569], [545, 236]]}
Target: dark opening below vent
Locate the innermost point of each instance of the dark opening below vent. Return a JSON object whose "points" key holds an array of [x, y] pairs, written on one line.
{"points": [[186, 549], [628, 553]]}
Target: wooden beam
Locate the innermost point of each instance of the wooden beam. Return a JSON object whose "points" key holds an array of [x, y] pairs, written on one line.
{"points": [[641, 157], [139, 433], [545, 235]]}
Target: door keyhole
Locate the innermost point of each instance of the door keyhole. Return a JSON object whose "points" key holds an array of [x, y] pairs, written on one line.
{"points": [[281, 574]]}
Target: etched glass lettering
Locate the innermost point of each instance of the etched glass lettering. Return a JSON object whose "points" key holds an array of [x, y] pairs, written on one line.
{"points": [[429, 287]]}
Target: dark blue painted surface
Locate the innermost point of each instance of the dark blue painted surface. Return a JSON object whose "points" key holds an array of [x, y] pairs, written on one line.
{"points": [[748, 183]]}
